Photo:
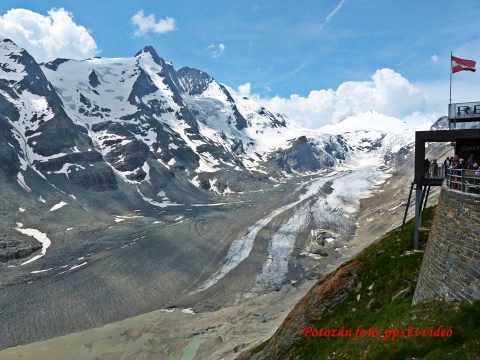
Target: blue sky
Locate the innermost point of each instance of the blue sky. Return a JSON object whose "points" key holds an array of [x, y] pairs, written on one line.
{"points": [[285, 47]]}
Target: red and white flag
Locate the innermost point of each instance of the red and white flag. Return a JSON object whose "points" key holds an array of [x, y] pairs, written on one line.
{"points": [[459, 64]]}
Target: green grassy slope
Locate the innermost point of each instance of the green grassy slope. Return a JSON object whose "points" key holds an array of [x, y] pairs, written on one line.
{"points": [[382, 299]]}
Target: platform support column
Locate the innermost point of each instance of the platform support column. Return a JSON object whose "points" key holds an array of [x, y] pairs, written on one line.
{"points": [[418, 216]]}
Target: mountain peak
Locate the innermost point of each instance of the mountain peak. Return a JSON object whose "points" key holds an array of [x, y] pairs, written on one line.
{"points": [[153, 53], [147, 49]]}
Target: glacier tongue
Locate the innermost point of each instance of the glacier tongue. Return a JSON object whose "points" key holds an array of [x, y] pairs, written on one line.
{"points": [[351, 182]]}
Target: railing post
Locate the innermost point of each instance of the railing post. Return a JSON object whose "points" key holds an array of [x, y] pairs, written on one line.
{"points": [[463, 180]]}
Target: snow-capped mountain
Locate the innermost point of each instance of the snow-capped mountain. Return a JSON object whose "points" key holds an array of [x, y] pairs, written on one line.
{"points": [[139, 133]]}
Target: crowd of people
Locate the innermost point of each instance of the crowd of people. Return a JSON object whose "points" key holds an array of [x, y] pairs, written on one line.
{"points": [[456, 162], [434, 170], [460, 174]]}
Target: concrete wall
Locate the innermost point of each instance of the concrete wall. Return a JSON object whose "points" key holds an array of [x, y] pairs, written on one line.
{"points": [[451, 264]]}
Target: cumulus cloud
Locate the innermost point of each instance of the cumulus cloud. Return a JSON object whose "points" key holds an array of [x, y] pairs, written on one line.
{"points": [[47, 37], [244, 89], [149, 24], [216, 50], [387, 93]]}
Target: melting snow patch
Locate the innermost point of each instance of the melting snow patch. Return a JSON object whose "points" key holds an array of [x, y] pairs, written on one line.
{"points": [[78, 266], [167, 310], [218, 204], [165, 201], [40, 271], [188, 311], [120, 218], [146, 168], [21, 209], [37, 235], [58, 206]]}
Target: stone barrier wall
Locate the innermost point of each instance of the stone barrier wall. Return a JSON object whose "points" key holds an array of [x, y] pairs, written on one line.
{"points": [[451, 264]]}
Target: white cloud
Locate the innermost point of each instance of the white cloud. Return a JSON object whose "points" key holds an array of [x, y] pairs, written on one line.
{"points": [[47, 37], [387, 93], [216, 50], [434, 58], [245, 89], [146, 24]]}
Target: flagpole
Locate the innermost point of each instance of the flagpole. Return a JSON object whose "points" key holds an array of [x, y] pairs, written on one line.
{"points": [[450, 101], [451, 54]]}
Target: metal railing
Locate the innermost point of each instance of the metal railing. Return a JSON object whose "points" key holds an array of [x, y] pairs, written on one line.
{"points": [[463, 180]]}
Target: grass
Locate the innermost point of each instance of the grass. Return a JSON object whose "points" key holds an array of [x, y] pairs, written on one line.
{"points": [[382, 298]]}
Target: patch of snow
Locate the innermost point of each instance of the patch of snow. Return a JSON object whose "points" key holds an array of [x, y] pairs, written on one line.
{"points": [[188, 311], [171, 310], [165, 201], [22, 183], [37, 235], [40, 271], [58, 206], [78, 266], [121, 218]]}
